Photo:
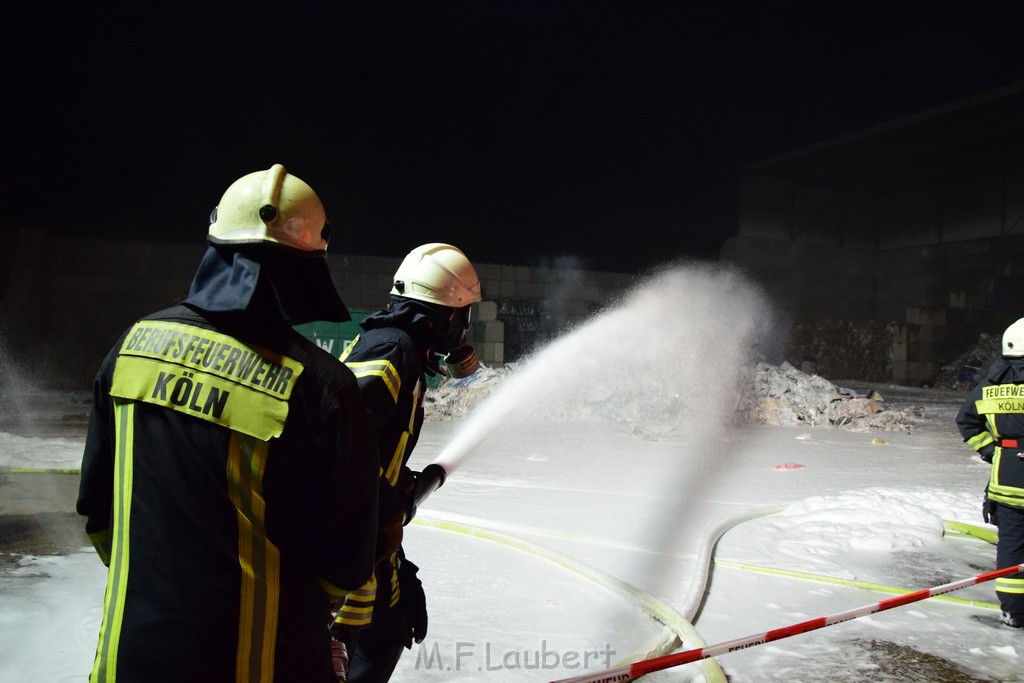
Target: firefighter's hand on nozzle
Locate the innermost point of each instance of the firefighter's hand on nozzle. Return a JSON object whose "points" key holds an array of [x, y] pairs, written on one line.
{"points": [[390, 532]]}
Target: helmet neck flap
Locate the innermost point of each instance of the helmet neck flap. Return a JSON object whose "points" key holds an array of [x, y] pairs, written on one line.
{"points": [[428, 325], [266, 282]]}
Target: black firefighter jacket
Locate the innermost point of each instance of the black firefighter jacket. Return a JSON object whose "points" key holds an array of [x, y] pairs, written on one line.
{"points": [[387, 363], [230, 483], [991, 421]]}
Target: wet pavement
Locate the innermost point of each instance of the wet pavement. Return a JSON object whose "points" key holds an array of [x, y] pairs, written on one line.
{"points": [[37, 516], [37, 509]]}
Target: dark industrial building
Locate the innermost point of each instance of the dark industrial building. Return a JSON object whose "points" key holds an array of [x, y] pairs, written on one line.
{"points": [[892, 250], [889, 252]]}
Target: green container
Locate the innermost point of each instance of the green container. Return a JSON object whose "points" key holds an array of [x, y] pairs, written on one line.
{"points": [[333, 337]]}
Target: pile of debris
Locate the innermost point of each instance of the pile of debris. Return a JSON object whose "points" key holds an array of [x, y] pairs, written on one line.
{"points": [[772, 395], [783, 395], [454, 398], [970, 367]]}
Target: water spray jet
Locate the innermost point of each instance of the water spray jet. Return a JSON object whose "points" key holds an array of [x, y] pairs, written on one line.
{"points": [[664, 353]]}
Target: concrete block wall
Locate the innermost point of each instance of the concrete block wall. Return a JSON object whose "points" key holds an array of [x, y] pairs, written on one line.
{"points": [[64, 300], [488, 333], [536, 304], [566, 295], [928, 304]]}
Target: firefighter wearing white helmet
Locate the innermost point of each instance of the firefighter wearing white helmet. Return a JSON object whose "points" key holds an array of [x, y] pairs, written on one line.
{"points": [[426, 322], [235, 564], [438, 274], [1013, 340], [991, 422]]}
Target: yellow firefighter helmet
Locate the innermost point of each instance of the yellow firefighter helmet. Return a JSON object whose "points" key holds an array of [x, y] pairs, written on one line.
{"points": [[271, 206]]}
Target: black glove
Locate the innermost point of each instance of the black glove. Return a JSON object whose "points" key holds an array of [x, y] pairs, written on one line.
{"points": [[987, 451], [988, 511], [413, 603], [390, 532]]}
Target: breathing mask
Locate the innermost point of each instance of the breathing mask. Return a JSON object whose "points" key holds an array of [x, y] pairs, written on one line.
{"points": [[460, 358], [461, 362]]}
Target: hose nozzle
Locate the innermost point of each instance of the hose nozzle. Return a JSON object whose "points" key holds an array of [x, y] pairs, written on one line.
{"points": [[428, 481]]}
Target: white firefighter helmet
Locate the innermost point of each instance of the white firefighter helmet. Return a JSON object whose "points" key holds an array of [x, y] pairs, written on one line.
{"points": [[271, 206], [438, 274], [1013, 339]]}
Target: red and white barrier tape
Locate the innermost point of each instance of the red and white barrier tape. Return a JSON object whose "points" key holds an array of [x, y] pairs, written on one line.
{"points": [[630, 671]]}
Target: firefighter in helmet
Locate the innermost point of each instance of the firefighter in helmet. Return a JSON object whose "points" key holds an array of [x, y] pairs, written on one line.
{"points": [[229, 480], [991, 421], [422, 332]]}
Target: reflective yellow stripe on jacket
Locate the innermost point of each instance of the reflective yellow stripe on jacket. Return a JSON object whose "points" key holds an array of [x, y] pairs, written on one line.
{"points": [[996, 400], [358, 607], [1008, 585], [998, 490], [259, 559], [105, 666]]}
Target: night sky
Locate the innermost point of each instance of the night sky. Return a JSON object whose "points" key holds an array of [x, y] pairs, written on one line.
{"points": [[524, 132]]}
